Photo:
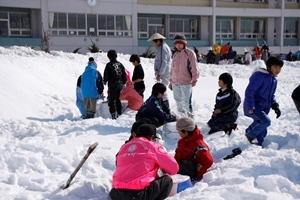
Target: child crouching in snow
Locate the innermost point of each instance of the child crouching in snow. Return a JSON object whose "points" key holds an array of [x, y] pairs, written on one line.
{"points": [[134, 99], [192, 153], [138, 162]]}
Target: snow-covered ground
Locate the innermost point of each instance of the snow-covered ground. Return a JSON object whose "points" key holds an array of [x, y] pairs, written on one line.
{"points": [[43, 139]]}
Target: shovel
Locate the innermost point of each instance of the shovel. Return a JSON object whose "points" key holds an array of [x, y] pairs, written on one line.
{"points": [[89, 151]]}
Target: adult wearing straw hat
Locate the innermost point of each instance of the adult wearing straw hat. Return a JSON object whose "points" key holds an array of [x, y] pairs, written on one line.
{"points": [[162, 62]]}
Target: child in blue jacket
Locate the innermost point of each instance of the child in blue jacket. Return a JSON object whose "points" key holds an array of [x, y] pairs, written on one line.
{"points": [[260, 98], [225, 111]]}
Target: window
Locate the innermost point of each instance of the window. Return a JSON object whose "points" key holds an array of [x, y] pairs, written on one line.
{"points": [[252, 0], [58, 23], [19, 24], [291, 1], [290, 28], [76, 24], [252, 29], [114, 25], [89, 24], [149, 26], [188, 27], [224, 29]]}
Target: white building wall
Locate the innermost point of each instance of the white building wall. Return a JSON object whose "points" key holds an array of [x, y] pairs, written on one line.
{"points": [[41, 8]]}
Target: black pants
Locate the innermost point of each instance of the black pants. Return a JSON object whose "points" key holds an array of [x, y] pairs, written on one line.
{"points": [[188, 168], [157, 190], [114, 102], [219, 122]]}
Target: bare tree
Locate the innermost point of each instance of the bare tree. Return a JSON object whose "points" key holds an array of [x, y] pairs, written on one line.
{"points": [[45, 43]]}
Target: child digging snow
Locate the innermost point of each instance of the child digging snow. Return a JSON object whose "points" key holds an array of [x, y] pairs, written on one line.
{"points": [[138, 162], [192, 153]]}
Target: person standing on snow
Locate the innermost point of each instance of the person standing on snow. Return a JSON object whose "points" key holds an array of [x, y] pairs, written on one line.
{"points": [[91, 87], [162, 61], [115, 76], [260, 97], [138, 74], [184, 75], [138, 162], [192, 153]]}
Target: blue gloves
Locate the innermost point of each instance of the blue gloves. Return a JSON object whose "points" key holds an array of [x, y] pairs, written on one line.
{"points": [[275, 107]]}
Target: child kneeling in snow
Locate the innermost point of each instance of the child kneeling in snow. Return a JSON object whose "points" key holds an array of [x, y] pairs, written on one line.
{"points": [[225, 111], [192, 153], [138, 162]]}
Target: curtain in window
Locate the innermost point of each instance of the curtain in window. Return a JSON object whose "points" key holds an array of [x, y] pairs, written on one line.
{"points": [[128, 23], [51, 19]]}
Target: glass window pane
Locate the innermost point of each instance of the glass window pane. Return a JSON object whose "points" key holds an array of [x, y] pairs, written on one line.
{"points": [[120, 22], [81, 21], [72, 21], [28, 33], [3, 29], [172, 25], [102, 22], [142, 24], [155, 21], [187, 26], [3, 15], [92, 24], [25, 21], [62, 20], [14, 20], [110, 22], [218, 26], [179, 26]]}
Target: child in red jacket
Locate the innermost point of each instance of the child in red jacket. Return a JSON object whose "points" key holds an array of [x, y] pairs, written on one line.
{"points": [[192, 153]]}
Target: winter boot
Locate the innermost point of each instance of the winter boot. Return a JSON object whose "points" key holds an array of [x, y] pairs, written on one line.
{"points": [[230, 127], [114, 115]]}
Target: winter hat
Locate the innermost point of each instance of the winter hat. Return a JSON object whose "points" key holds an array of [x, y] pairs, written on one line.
{"points": [[220, 42], [180, 39], [245, 50], [156, 36], [186, 124], [146, 130], [91, 59], [209, 49], [228, 43], [227, 79]]}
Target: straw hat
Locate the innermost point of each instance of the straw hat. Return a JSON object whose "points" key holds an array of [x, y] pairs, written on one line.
{"points": [[156, 36]]}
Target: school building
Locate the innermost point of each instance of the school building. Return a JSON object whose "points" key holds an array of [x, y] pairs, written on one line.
{"points": [[125, 25]]}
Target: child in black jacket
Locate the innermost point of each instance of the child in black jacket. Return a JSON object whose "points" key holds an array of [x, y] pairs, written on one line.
{"points": [[225, 112], [115, 75]]}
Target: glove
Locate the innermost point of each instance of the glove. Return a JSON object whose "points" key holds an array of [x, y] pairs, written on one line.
{"points": [[275, 107]]}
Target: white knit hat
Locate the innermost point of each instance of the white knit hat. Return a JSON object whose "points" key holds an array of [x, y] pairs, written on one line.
{"points": [[186, 124]]}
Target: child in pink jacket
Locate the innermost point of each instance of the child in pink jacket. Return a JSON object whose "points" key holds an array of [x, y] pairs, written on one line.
{"points": [[135, 100], [138, 162]]}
